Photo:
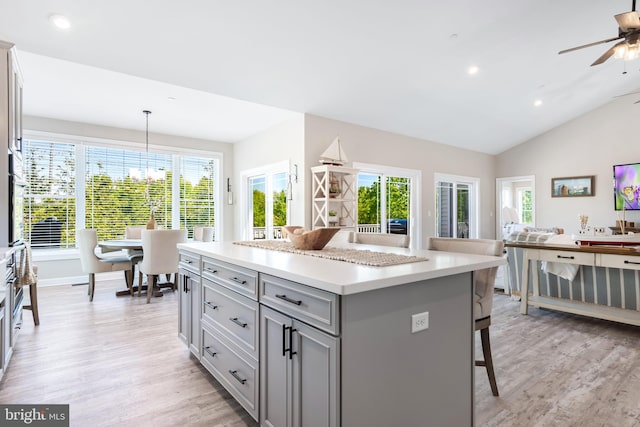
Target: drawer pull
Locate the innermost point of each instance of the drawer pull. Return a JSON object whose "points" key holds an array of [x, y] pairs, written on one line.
{"points": [[626, 261], [188, 261], [565, 257], [237, 322], [242, 282], [211, 305], [235, 375], [211, 270], [287, 299], [211, 353]]}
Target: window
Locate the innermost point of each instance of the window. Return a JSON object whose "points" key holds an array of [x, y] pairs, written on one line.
{"points": [[266, 201], [525, 204], [197, 177], [456, 206], [112, 190], [387, 200], [50, 199]]}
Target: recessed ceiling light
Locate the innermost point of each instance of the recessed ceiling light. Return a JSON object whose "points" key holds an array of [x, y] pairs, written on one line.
{"points": [[60, 21], [537, 103], [473, 70]]}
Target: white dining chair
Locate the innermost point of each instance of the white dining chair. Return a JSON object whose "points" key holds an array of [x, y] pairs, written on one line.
{"points": [[134, 231], [483, 281], [203, 234], [91, 263], [382, 239], [160, 256], [135, 255]]}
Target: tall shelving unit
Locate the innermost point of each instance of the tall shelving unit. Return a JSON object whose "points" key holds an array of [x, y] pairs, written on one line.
{"points": [[334, 188]]}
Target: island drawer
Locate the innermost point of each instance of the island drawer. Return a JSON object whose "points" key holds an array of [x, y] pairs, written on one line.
{"points": [[190, 262], [619, 261], [236, 278], [567, 257], [238, 375], [233, 315], [310, 305]]}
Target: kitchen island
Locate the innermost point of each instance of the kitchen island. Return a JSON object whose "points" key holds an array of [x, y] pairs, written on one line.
{"points": [[306, 341]]}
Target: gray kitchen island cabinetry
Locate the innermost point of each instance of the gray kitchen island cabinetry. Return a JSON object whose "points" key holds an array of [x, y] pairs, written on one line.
{"points": [[336, 342]]}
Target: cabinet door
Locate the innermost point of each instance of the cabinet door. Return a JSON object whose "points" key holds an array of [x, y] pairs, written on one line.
{"points": [[195, 312], [315, 377], [275, 380], [184, 297]]}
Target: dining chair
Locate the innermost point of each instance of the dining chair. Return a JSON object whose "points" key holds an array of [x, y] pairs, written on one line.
{"points": [[28, 276], [382, 239], [160, 256], [91, 263], [134, 231], [483, 281], [135, 255], [202, 234]]}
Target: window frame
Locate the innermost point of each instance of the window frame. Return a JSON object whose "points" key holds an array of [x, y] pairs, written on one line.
{"points": [[415, 196], [81, 142], [246, 198]]}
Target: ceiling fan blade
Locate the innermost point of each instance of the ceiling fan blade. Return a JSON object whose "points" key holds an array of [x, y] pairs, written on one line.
{"points": [[627, 94], [590, 44], [608, 54], [628, 21]]}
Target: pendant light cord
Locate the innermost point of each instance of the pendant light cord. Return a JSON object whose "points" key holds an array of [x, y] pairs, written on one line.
{"points": [[147, 112]]}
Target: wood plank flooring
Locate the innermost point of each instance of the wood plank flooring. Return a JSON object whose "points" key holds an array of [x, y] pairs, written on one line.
{"points": [[119, 362]]}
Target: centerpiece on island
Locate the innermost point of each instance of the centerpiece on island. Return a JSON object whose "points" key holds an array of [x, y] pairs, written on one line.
{"points": [[301, 238]]}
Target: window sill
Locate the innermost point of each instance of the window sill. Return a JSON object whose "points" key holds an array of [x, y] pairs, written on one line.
{"points": [[54, 254]]}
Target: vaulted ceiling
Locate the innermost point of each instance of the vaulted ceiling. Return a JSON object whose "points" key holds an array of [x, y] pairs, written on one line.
{"points": [[224, 70]]}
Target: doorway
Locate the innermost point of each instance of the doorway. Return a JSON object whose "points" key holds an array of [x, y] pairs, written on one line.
{"points": [[515, 204]]}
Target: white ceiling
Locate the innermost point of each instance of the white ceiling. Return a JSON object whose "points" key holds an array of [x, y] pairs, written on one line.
{"points": [[397, 66]]}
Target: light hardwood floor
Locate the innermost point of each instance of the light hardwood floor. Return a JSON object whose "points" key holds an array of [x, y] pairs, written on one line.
{"points": [[119, 362]]}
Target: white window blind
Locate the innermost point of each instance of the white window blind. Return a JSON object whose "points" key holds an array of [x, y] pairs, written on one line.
{"points": [[117, 187], [50, 199], [123, 186], [196, 192]]}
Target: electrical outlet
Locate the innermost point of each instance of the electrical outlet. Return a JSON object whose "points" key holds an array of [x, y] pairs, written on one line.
{"points": [[419, 322]]}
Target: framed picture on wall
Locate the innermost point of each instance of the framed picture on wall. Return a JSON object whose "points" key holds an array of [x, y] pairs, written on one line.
{"points": [[573, 186]]}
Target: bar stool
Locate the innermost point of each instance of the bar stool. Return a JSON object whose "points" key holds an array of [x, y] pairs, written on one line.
{"points": [[28, 276]]}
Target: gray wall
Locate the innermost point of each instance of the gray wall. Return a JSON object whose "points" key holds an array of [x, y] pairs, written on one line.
{"points": [[366, 145], [588, 145], [284, 142]]}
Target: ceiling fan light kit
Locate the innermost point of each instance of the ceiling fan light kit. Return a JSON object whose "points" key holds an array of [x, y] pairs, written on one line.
{"points": [[628, 31]]}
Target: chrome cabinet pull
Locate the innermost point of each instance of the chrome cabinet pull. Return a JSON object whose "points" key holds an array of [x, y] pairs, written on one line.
{"points": [[237, 322], [626, 261], [211, 270], [211, 305], [565, 257], [236, 376], [287, 299], [242, 282]]}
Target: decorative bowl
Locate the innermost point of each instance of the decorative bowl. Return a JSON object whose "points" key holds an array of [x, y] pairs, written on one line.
{"points": [[301, 238]]}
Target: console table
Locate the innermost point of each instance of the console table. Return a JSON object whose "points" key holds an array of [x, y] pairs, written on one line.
{"points": [[616, 260]]}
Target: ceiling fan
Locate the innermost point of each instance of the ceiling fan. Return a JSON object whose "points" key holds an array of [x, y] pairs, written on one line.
{"points": [[628, 30]]}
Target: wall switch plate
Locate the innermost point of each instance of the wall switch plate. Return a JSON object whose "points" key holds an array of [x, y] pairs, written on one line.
{"points": [[419, 322]]}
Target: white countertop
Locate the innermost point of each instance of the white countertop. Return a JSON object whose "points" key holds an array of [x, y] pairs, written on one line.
{"points": [[344, 278]]}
